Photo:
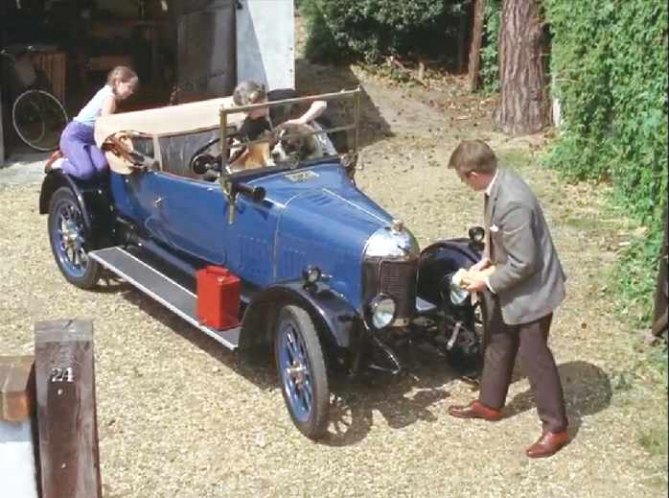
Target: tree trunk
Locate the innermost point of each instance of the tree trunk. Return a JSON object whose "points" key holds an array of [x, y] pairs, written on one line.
{"points": [[475, 47], [662, 286], [525, 107]]}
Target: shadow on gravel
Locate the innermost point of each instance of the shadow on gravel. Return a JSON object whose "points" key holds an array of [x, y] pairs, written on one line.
{"points": [[587, 390], [402, 400], [314, 79], [251, 367]]}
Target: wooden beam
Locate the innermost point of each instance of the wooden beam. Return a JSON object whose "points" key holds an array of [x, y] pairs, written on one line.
{"points": [[66, 417], [16, 388]]}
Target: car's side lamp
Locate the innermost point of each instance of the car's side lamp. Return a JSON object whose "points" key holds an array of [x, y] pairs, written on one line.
{"points": [[477, 237], [311, 274]]}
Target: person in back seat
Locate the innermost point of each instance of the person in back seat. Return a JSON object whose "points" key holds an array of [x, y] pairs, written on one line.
{"points": [[261, 120]]}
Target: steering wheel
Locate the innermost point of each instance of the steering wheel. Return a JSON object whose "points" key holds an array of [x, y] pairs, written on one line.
{"points": [[198, 152]]}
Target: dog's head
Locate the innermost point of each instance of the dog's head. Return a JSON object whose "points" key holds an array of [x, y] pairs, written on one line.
{"points": [[295, 143]]}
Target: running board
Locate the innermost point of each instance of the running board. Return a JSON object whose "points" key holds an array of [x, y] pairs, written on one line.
{"points": [[161, 288]]}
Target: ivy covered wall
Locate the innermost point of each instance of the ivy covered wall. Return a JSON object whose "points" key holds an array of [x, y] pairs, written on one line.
{"points": [[609, 67]]}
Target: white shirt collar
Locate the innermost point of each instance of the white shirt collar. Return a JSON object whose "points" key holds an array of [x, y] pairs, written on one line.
{"points": [[488, 189]]}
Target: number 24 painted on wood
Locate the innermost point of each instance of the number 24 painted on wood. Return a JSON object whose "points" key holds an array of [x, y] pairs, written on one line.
{"points": [[61, 375]]}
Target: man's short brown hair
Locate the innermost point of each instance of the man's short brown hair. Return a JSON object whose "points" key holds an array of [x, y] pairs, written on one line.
{"points": [[473, 155]]}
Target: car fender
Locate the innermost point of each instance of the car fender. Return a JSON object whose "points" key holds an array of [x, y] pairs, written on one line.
{"points": [[440, 259], [93, 200], [331, 312]]}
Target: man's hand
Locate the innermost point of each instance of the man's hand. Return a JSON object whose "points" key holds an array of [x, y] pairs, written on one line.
{"points": [[474, 281], [481, 265]]}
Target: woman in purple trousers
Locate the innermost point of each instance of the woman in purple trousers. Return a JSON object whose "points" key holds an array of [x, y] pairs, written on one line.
{"points": [[78, 155]]}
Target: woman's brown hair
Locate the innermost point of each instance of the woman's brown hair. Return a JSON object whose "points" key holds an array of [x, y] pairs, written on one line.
{"points": [[122, 74], [249, 92]]}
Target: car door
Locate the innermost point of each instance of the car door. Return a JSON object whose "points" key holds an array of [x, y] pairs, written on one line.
{"points": [[137, 195], [193, 214], [196, 217]]}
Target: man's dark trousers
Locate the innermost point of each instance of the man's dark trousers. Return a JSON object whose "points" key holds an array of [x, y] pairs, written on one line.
{"points": [[529, 341]]}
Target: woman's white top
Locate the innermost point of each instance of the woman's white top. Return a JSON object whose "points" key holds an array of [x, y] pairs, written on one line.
{"points": [[93, 108]]}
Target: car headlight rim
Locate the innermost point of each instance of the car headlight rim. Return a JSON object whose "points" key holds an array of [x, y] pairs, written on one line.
{"points": [[381, 311], [457, 295]]}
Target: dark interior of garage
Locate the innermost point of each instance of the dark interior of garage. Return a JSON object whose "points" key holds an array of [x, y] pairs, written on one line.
{"points": [[75, 43]]}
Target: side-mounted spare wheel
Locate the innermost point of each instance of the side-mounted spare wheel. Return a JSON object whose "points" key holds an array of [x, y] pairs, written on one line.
{"points": [[69, 239], [302, 371], [463, 323]]}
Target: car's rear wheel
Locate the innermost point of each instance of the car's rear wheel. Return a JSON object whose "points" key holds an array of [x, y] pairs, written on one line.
{"points": [[68, 238], [302, 372]]}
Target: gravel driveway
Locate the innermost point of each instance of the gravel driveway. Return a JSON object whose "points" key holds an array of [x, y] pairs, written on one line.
{"points": [[179, 417]]}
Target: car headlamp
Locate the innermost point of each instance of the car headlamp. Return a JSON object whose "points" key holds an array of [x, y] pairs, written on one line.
{"points": [[457, 294], [311, 274], [381, 311], [477, 234]]}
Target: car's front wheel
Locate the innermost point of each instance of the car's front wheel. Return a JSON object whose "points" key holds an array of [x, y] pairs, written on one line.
{"points": [[68, 239], [302, 372]]}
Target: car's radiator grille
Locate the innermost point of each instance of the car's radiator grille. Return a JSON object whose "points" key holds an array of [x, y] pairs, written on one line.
{"points": [[393, 278]]}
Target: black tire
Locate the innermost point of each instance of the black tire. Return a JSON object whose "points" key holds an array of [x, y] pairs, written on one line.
{"points": [[302, 372], [38, 119], [69, 242]]}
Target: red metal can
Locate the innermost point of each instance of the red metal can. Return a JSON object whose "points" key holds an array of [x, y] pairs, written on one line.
{"points": [[218, 297]]}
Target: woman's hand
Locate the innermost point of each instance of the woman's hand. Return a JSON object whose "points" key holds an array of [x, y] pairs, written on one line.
{"points": [[296, 121]]}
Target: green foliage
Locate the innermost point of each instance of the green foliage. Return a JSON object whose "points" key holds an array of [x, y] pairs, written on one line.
{"points": [[635, 278], [609, 65], [371, 29], [490, 47]]}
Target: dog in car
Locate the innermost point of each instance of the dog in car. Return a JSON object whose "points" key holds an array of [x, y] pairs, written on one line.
{"points": [[295, 143]]}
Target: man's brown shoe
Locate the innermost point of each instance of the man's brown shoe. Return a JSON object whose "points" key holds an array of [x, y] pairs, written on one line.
{"points": [[475, 409], [56, 154], [548, 444]]}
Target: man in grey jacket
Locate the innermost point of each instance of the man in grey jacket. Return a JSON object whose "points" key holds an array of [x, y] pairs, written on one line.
{"points": [[523, 282]]}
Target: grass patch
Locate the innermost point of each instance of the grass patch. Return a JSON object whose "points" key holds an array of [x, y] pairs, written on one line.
{"points": [[654, 441], [589, 224]]}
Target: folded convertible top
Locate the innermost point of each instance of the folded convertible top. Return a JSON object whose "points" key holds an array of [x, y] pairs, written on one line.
{"points": [[169, 120]]}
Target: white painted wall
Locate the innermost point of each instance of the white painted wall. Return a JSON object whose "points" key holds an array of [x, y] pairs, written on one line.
{"points": [[266, 42], [17, 460]]}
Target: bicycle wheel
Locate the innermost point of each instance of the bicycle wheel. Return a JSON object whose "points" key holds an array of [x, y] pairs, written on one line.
{"points": [[38, 118]]}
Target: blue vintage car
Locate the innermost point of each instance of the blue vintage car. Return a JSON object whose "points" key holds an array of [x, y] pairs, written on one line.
{"points": [[329, 279]]}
